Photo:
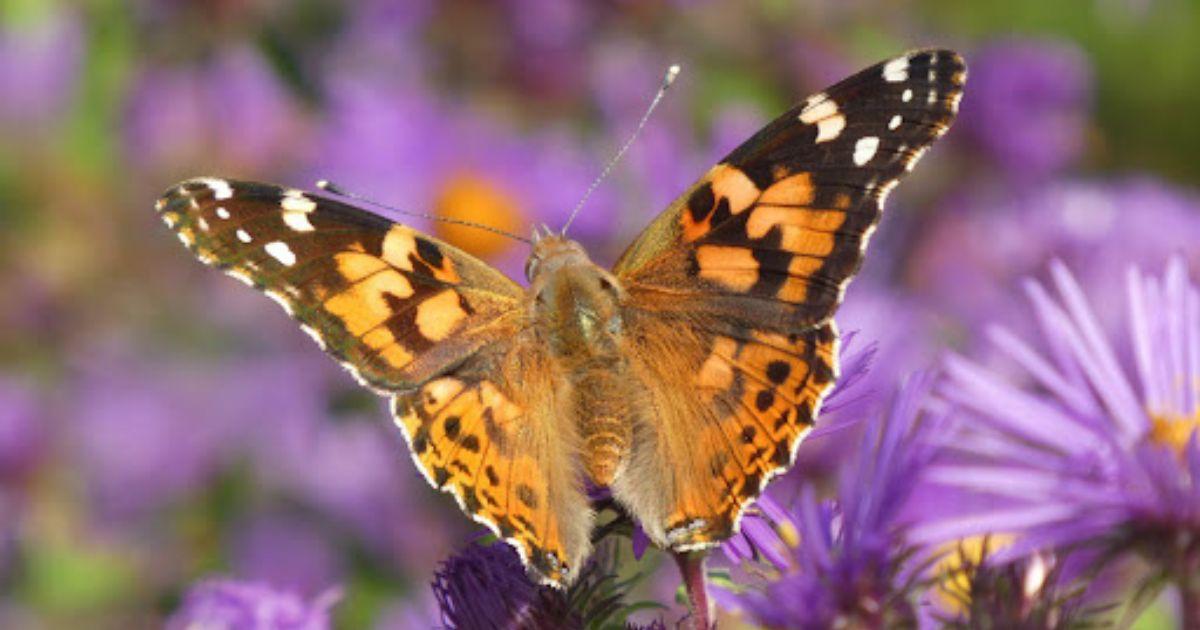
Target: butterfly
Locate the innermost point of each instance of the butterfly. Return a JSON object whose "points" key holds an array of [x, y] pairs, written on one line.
{"points": [[682, 380]]}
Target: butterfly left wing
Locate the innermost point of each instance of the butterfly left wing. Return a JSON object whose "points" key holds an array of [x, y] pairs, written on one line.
{"points": [[731, 291], [394, 306], [472, 387]]}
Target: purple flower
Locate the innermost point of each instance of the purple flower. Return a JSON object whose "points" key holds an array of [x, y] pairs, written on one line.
{"points": [[357, 472], [1082, 438], [1028, 105], [23, 430], [969, 261], [485, 586], [843, 561], [40, 63], [235, 605], [285, 551], [404, 146], [232, 112]]}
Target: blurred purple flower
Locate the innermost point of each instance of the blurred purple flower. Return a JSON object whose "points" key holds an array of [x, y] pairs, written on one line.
{"points": [[286, 552], [1077, 454], [41, 60], [231, 113], [236, 605], [143, 436], [402, 145], [969, 261], [548, 38], [843, 562], [23, 430], [140, 440], [357, 472], [1028, 105]]}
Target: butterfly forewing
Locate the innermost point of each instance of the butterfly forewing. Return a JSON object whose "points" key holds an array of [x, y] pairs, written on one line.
{"points": [[750, 263], [393, 305], [781, 223]]}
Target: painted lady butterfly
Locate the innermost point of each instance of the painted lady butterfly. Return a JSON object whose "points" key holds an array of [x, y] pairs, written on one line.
{"points": [[683, 380]]}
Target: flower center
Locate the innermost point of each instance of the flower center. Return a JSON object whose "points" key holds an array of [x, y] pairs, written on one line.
{"points": [[957, 566], [470, 197], [1173, 430]]}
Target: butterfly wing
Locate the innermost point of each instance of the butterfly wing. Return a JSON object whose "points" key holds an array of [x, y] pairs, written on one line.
{"points": [[425, 322], [393, 306], [735, 284]]}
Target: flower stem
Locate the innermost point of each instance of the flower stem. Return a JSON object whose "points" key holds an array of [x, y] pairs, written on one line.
{"points": [[695, 582]]}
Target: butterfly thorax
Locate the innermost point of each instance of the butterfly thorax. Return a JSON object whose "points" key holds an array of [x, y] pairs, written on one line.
{"points": [[578, 304]]}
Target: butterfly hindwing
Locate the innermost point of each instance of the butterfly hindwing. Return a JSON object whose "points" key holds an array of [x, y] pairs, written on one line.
{"points": [[749, 265], [394, 306]]}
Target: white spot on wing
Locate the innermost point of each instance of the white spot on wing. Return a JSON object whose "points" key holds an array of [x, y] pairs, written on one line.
{"points": [[221, 188], [830, 128], [281, 252], [865, 149], [896, 70], [297, 220], [222, 213], [907, 96], [818, 111], [295, 201], [932, 96], [202, 223], [243, 235], [894, 122]]}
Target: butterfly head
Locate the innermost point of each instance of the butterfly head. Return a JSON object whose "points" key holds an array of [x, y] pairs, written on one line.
{"points": [[575, 295]]}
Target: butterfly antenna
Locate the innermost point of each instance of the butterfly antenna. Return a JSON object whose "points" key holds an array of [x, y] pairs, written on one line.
{"points": [[330, 187], [668, 79]]}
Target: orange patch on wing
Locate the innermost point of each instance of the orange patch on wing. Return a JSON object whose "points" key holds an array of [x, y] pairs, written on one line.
{"points": [[355, 266], [439, 315], [731, 267], [763, 218], [796, 190], [362, 306], [801, 240], [800, 269], [732, 184], [716, 375]]}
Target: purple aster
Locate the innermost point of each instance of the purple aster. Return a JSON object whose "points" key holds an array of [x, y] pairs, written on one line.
{"points": [[1028, 105], [237, 605], [1085, 440], [485, 586], [841, 562], [968, 262]]}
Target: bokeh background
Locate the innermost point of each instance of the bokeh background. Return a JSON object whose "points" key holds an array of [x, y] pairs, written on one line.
{"points": [[160, 424]]}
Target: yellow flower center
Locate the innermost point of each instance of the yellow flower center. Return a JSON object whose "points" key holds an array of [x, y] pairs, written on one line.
{"points": [[956, 568], [1174, 431], [469, 197]]}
